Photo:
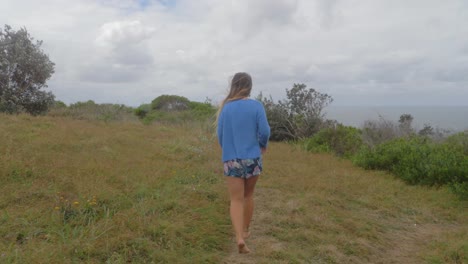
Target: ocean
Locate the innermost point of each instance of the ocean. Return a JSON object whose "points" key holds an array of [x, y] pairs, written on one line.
{"points": [[453, 118]]}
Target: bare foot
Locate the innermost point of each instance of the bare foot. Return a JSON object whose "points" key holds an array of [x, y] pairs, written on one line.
{"points": [[246, 234], [243, 249]]}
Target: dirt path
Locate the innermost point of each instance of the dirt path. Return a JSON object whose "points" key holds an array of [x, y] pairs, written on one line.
{"points": [[260, 241], [403, 245]]}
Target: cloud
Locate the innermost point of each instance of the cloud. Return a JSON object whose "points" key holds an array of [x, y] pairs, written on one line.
{"points": [[122, 53], [328, 13], [132, 51], [123, 33]]}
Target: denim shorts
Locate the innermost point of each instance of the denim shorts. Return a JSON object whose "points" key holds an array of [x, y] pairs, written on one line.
{"points": [[243, 168]]}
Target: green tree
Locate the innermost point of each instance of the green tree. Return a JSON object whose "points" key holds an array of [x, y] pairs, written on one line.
{"points": [[300, 115], [305, 108], [24, 71]]}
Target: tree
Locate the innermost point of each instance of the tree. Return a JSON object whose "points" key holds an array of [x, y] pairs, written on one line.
{"points": [[24, 71], [300, 115], [305, 108]]}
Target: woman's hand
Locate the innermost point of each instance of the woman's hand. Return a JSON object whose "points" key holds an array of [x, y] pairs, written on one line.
{"points": [[263, 150]]}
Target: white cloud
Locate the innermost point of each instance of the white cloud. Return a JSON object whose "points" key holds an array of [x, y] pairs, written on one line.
{"points": [[123, 32], [120, 51]]}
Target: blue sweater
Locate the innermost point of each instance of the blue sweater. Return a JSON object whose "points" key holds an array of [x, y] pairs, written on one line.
{"points": [[243, 129]]}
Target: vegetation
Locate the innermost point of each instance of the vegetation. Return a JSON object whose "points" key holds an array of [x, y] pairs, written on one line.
{"points": [[299, 116], [175, 109], [425, 157], [155, 193], [342, 140], [24, 71], [417, 158], [170, 103], [89, 110], [418, 161], [123, 203]]}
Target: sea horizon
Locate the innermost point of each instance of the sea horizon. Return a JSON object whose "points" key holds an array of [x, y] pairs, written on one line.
{"points": [[452, 118]]}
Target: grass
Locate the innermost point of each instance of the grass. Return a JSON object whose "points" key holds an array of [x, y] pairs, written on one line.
{"points": [[86, 191]]}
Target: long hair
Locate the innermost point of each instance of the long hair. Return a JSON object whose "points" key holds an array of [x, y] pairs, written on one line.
{"points": [[241, 86]]}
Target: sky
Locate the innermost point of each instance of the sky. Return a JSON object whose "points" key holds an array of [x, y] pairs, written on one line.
{"points": [[361, 52]]}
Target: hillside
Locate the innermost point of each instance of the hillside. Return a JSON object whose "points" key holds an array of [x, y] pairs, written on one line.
{"points": [[96, 192]]}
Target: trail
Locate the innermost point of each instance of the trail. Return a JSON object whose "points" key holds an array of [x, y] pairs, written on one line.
{"points": [[259, 240], [403, 246]]}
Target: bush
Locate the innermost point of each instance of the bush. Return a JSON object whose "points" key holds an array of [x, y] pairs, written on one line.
{"points": [[170, 103], [417, 160], [202, 110], [174, 109], [59, 104], [89, 110], [142, 110], [342, 140], [381, 157], [459, 140], [375, 132]]}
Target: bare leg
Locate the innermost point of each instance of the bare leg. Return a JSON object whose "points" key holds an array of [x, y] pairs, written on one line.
{"points": [[236, 193], [248, 203]]}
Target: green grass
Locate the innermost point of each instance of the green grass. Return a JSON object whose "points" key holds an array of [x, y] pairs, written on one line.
{"points": [[77, 191]]}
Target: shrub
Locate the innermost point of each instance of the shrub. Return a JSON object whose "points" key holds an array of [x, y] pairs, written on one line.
{"points": [[341, 140], [375, 132], [59, 104], [89, 110], [202, 110], [418, 160], [459, 140], [381, 157], [142, 110], [170, 103], [425, 163]]}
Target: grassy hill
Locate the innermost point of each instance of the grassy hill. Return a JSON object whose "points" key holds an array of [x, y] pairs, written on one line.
{"points": [[118, 192]]}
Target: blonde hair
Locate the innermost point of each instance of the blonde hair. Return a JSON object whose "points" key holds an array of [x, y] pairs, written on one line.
{"points": [[241, 86]]}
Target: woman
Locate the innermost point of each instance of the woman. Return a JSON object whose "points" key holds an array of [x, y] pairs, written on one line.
{"points": [[243, 134]]}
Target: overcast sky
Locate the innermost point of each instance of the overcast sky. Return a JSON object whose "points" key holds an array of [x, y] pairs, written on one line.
{"points": [[361, 52]]}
